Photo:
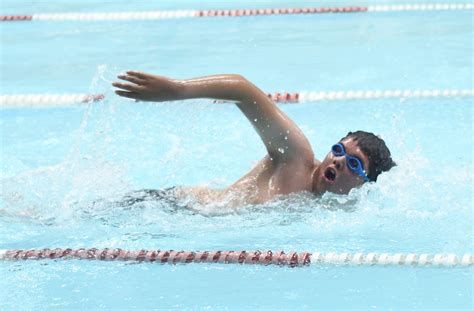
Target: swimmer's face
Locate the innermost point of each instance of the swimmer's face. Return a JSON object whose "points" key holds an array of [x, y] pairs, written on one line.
{"points": [[333, 174]]}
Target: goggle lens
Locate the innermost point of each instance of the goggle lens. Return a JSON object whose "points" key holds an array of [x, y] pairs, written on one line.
{"points": [[353, 163], [338, 150]]}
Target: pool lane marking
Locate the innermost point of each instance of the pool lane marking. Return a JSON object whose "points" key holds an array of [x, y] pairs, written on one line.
{"points": [[281, 258], [62, 100], [173, 14], [47, 100]]}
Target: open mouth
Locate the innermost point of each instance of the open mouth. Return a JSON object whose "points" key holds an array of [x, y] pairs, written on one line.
{"points": [[330, 174]]}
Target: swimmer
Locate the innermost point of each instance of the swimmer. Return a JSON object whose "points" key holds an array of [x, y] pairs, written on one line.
{"points": [[290, 165]]}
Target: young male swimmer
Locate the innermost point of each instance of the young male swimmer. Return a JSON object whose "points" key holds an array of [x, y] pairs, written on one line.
{"points": [[289, 166]]}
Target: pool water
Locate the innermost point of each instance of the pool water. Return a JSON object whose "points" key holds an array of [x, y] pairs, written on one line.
{"points": [[56, 164]]}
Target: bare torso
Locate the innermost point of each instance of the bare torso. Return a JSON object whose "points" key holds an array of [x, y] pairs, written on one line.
{"points": [[264, 182]]}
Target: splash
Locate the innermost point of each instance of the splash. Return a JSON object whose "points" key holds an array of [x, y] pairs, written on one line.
{"points": [[49, 193]]}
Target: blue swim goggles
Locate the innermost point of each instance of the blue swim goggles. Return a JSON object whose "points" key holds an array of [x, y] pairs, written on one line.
{"points": [[353, 163]]}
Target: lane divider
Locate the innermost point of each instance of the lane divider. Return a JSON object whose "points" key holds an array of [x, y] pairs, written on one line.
{"points": [[62, 100], [47, 100], [153, 15], [291, 259]]}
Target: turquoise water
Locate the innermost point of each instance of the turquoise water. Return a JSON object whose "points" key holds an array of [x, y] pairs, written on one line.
{"points": [[56, 162]]}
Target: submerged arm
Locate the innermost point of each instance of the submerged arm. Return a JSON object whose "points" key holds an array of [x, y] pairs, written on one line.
{"points": [[281, 136]]}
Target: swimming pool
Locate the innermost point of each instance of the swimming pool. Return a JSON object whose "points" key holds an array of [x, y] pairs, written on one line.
{"points": [[57, 161]]}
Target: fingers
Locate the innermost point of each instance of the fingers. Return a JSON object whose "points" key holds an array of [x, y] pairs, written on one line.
{"points": [[131, 95], [134, 89], [128, 86], [132, 79], [137, 74]]}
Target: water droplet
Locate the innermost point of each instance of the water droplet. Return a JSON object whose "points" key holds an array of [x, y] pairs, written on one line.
{"points": [[255, 120], [281, 150], [268, 125], [286, 137], [287, 131], [270, 184]]}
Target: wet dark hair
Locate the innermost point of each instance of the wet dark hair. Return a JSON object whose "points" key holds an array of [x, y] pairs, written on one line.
{"points": [[375, 149]]}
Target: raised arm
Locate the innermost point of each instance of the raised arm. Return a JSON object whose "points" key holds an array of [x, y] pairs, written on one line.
{"points": [[282, 137]]}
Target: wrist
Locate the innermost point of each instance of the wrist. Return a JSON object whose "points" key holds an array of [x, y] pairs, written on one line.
{"points": [[184, 89]]}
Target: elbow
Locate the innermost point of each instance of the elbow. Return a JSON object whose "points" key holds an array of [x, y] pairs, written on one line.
{"points": [[237, 77], [239, 80], [245, 90]]}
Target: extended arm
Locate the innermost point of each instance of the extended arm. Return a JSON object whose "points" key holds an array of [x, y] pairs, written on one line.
{"points": [[281, 136]]}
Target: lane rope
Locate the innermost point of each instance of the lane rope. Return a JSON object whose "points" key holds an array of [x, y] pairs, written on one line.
{"points": [[47, 100], [291, 259], [174, 14], [62, 100]]}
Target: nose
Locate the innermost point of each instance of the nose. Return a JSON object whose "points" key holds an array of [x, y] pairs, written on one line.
{"points": [[339, 162]]}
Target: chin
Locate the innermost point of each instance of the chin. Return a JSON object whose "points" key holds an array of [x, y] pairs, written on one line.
{"points": [[320, 187]]}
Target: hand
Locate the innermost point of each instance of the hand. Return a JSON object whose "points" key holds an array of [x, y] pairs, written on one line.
{"points": [[147, 87]]}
